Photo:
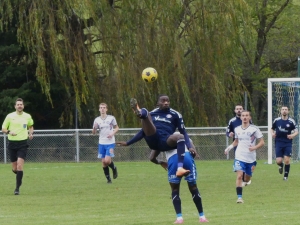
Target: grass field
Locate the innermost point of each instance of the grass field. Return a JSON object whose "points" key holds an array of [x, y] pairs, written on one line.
{"points": [[77, 193]]}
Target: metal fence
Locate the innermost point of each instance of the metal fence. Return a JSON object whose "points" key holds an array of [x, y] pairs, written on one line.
{"points": [[79, 145]]}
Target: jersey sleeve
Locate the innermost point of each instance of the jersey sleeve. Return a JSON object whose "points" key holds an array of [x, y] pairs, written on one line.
{"points": [[30, 121], [114, 121], [273, 125], [229, 128], [95, 124], [6, 122], [258, 134]]}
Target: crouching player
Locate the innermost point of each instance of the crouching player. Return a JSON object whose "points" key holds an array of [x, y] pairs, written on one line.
{"points": [[174, 181]]}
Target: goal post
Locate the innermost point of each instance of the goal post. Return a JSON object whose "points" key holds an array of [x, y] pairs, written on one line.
{"points": [[283, 91]]}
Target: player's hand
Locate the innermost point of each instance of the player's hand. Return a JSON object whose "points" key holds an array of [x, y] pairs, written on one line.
{"points": [[274, 135], [226, 151], [252, 148], [193, 152], [121, 143], [164, 165], [231, 134], [290, 136]]}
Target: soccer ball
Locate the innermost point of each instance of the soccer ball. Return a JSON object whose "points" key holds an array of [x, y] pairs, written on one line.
{"points": [[149, 75]]}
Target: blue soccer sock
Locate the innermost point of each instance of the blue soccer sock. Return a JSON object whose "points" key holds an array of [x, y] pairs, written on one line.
{"points": [[144, 113], [180, 152]]}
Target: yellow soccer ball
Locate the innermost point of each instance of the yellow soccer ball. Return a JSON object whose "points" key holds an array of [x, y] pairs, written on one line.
{"points": [[149, 75]]}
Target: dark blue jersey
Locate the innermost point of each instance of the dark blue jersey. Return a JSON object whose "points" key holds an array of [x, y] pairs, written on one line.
{"points": [[283, 128], [232, 124], [167, 121]]}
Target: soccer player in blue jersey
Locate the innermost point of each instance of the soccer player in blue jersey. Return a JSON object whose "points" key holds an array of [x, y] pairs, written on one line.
{"points": [[245, 154], [174, 181], [158, 127], [284, 130]]}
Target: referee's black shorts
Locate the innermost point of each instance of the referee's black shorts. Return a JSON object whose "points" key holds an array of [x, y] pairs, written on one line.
{"points": [[17, 149]]}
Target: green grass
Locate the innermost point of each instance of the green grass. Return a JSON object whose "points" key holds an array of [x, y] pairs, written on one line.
{"points": [[77, 193]]}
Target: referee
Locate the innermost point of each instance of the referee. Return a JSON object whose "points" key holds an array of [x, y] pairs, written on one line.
{"points": [[18, 126]]}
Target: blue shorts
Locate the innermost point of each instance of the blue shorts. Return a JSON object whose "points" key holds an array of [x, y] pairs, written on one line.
{"points": [[106, 150], [158, 141], [243, 166], [283, 149], [188, 164]]}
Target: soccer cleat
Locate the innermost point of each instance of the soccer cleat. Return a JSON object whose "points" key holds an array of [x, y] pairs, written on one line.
{"points": [[109, 181], [178, 221], [135, 107], [203, 220], [280, 170], [285, 179], [115, 173], [182, 172], [16, 192], [249, 182], [239, 200]]}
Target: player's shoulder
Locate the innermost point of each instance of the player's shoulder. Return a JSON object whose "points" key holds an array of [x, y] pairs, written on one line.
{"points": [[291, 120], [173, 111], [252, 126], [25, 114], [110, 117], [277, 119], [233, 119]]}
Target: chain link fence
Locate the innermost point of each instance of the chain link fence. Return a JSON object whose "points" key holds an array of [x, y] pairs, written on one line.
{"points": [[79, 145]]}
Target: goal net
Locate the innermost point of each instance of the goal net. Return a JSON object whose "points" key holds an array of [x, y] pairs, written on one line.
{"points": [[283, 91]]}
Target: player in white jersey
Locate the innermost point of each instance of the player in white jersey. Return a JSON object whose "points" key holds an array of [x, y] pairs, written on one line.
{"points": [[245, 154], [108, 127]]}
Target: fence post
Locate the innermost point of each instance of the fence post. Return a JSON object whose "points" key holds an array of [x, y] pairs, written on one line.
{"points": [[4, 147], [227, 142], [77, 144]]}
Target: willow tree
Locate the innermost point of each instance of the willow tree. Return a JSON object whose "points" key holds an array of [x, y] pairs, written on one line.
{"points": [[97, 50], [53, 34], [191, 44]]}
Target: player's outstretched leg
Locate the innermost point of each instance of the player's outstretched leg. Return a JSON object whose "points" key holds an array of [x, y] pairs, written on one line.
{"points": [[142, 113]]}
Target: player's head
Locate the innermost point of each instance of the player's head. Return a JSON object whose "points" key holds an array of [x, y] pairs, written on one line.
{"points": [[19, 105], [284, 110], [163, 102], [246, 116], [103, 108], [238, 109]]}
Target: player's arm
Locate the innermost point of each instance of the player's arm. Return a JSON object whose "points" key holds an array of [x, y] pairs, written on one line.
{"points": [[229, 131], [30, 132], [139, 136], [294, 134], [115, 130], [95, 127], [259, 144], [5, 126], [273, 129], [234, 143], [181, 129]]}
